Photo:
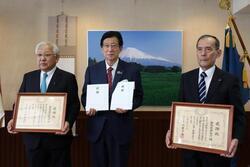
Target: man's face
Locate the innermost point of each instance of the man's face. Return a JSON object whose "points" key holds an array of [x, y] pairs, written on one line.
{"points": [[46, 59], [207, 53], [111, 50]]}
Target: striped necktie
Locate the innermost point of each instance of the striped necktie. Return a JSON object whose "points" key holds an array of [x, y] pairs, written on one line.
{"points": [[44, 85], [202, 87]]}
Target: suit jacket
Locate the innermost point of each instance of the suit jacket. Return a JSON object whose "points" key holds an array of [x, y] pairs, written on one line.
{"points": [[224, 89], [61, 81], [118, 125]]}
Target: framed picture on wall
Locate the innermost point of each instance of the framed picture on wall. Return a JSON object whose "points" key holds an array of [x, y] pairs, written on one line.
{"points": [[158, 53]]}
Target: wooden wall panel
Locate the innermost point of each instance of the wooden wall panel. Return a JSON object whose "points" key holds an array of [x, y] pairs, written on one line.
{"points": [[148, 148]]}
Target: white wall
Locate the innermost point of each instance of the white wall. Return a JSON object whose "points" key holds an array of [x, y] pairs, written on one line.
{"points": [[239, 5]]}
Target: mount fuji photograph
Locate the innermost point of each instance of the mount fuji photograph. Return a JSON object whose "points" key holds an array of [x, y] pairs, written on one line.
{"points": [[131, 54], [159, 55]]}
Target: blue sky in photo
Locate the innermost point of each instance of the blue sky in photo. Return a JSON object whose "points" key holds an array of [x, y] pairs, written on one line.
{"points": [[165, 44]]}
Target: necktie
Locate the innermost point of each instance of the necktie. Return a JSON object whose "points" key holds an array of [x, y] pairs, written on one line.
{"points": [[202, 87], [110, 77], [44, 85]]}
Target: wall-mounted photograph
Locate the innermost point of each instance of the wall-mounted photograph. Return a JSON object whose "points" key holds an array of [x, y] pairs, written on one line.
{"points": [[159, 55]]}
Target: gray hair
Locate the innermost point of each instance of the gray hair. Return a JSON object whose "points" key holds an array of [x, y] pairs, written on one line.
{"points": [[216, 43], [54, 47]]}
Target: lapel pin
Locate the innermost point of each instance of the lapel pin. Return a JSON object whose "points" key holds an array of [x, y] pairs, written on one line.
{"points": [[119, 72]]}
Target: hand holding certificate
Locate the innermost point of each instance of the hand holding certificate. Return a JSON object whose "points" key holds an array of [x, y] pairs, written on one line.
{"points": [[122, 96], [98, 96], [202, 127], [35, 112]]}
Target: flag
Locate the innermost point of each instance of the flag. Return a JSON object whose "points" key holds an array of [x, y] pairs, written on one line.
{"points": [[2, 121], [233, 64]]}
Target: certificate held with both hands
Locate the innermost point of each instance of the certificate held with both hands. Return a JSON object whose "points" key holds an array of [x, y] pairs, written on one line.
{"points": [[201, 127], [122, 97], [36, 112]]}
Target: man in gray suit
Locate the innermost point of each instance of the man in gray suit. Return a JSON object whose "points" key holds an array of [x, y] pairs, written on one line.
{"points": [[220, 88]]}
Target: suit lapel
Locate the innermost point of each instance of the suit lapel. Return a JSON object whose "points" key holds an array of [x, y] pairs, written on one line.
{"points": [[36, 81], [194, 85], [118, 74], [102, 73], [55, 78], [215, 82]]}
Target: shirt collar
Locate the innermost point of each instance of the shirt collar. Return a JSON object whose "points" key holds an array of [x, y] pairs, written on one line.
{"points": [[114, 66], [49, 73], [209, 71]]}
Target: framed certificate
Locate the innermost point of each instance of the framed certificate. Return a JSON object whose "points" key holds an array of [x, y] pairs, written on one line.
{"points": [[36, 112], [201, 127]]}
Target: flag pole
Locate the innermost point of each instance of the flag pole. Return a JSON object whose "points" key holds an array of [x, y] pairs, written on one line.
{"points": [[226, 5], [245, 52]]}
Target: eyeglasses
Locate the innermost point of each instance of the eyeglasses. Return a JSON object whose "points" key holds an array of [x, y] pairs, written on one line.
{"points": [[45, 55], [112, 46]]}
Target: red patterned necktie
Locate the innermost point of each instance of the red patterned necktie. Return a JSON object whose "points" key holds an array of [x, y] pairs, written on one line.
{"points": [[110, 77]]}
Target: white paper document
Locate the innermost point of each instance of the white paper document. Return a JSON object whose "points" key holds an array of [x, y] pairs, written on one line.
{"points": [[97, 97], [122, 96]]}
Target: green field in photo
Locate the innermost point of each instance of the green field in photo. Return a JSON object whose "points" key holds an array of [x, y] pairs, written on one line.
{"points": [[160, 88]]}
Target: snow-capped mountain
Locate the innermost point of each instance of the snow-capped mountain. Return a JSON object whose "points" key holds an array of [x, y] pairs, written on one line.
{"points": [[135, 55]]}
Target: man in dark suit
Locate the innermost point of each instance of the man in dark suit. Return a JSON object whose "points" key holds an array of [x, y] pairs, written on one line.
{"points": [[44, 149], [220, 88], [110, 132]]}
